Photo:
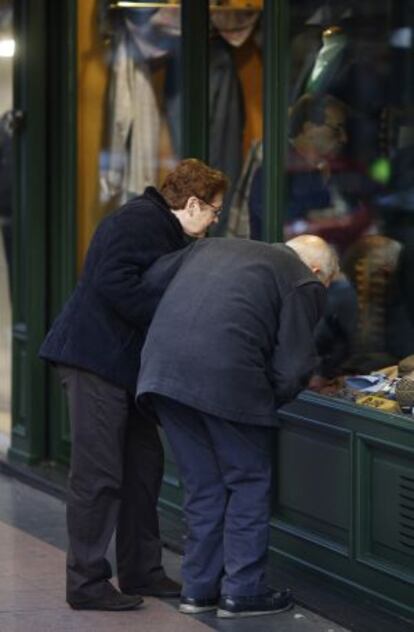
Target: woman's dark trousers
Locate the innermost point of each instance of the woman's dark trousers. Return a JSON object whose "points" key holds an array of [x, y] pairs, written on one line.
{"points": [[114, 484]]}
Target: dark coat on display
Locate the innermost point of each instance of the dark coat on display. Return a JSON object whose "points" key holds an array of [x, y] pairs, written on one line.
{"points": [[354, 79], [233, 334], [101, 327]]}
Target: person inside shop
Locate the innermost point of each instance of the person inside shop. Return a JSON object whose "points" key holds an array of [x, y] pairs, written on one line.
{"points": [[317, 135], [117, 456], [335, 334], [400, 321], [339, 63], [230, 342], [380, 269], [326, 192]]}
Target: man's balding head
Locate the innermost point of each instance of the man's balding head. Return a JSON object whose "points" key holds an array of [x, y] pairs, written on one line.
{"points": [[318, 255]]}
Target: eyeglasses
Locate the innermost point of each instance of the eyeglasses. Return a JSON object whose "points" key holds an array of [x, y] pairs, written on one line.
{"points": [[338, 130], [216, 209]]}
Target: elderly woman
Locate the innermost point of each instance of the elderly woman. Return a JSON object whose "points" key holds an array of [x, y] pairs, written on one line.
{"points": [[117, 459]]}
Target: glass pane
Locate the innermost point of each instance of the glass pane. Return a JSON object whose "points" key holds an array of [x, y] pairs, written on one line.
{"points": [[6, 104], [236, 113], [349, 173], [129, 103]]}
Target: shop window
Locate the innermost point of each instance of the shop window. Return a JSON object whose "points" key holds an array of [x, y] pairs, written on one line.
{"points": [[235, 104], [129, 105], [7, 46], [349, 178]]}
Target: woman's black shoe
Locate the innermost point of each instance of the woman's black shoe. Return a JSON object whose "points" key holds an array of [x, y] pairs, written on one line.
{"points": [[111, 600]]}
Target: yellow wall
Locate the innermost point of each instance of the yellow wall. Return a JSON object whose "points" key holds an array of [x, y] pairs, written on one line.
{"points": [[250, 70]]}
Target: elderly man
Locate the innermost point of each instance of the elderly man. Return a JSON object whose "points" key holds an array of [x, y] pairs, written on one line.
{"points": [[117, 456], [231, 340]]}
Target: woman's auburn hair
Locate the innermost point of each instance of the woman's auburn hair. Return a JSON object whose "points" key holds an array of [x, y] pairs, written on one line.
{"points": [[192, 177]]}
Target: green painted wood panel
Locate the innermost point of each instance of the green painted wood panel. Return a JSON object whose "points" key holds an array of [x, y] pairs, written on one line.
{"points": [[29, 232], [275, 23], [61, 242], [378, 504], [194, 61]]}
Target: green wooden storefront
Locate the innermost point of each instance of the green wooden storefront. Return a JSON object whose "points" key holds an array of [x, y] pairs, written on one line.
{"points": [[343, 499]]}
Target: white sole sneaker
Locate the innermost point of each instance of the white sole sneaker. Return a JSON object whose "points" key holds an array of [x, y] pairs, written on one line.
{"points": [[190, 609], [227, 614]]}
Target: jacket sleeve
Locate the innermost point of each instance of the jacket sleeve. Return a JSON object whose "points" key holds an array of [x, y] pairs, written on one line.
{"points": [[156, 280], [129, 250], [294, 357]]}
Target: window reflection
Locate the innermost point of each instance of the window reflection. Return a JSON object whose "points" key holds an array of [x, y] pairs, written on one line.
{"points": [[129, 108], [349, 179], [236, 117], [145, 44], [129, 104]]}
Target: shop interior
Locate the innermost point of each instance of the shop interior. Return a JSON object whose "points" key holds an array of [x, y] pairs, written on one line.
{"points": [[349, 153]]}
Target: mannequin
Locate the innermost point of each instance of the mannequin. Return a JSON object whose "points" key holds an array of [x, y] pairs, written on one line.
{"points": [[344, 67], [334, 42]]}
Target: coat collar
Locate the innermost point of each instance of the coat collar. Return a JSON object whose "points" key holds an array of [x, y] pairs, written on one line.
{"points": [[155, 196]]}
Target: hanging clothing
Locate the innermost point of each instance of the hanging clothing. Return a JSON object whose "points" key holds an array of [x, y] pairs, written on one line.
{"points": [[131, 160], [239, 225], [326, 59], [351, 76], [226, 120]]}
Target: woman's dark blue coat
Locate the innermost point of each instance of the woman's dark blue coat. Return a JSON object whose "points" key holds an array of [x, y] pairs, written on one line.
{"points": [[101, 327]]}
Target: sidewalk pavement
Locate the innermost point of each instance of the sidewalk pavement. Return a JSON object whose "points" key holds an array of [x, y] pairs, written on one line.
{"points": [[32, 581]]}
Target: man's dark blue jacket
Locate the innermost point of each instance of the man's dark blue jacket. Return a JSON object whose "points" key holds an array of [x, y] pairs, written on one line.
{"points": [[233, 333], [101, 327]]}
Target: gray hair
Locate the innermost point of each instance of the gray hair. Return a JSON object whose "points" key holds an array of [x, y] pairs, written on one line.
{"points": [[318, 255]]}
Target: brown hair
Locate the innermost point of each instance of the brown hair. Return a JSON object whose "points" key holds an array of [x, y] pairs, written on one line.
{"points": [[192, 177], [311, 108]]}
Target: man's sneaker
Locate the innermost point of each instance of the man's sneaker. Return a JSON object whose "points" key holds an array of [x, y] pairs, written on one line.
{"points": [[269, 603], [191, 605]]}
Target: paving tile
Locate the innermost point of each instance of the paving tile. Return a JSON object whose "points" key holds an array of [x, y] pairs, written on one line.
{"points": [[32, 581], [28, 600], [55, 583], [155, 617]]}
